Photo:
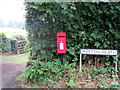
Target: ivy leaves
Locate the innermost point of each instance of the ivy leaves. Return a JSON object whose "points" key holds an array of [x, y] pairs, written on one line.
{"points": [[88, 25]]}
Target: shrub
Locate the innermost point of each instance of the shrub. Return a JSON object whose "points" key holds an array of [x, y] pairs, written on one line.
{"points": [[5, 43], [46, 73], [18, 37], [42, 72], [87, 25]]}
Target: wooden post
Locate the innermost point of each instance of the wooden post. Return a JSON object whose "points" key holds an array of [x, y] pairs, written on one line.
{"points": [[16, 47]]}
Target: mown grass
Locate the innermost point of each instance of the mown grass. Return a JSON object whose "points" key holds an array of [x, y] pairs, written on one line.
{"points": [[12, 56]]}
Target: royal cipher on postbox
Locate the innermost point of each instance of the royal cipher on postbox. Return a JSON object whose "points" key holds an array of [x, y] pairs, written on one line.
{"points": [[61, 42]]}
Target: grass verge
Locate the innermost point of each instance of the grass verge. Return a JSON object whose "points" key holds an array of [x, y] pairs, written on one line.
{"points": [[20, 61], [12, 56]]}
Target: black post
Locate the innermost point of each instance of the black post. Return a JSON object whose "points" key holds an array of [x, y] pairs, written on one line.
{"points": [[62, 56]]}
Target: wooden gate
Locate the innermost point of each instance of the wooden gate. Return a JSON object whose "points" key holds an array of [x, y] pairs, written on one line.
{"points": [[20, 47]]}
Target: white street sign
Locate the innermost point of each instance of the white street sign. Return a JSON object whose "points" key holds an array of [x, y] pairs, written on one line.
{"points": [[98, 52]]}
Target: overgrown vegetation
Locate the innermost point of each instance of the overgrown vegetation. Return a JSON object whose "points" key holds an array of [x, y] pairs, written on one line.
{"points": [[87, 25], [54, 75], [5, 43]]}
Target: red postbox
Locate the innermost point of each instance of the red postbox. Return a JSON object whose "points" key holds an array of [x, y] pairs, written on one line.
{"points": [[61, 42]]}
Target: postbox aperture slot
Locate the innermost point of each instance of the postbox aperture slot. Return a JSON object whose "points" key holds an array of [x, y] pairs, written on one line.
{"points": [[61, 36]]}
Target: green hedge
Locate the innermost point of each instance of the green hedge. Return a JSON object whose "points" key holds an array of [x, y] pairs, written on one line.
{"points": [[88, 25], [5, 43]]}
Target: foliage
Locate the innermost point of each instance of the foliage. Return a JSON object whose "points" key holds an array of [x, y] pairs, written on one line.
{"points": [[87, 25], [5, 43], [43, 72], [48, 72], [69, 76], [18, 37]]}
